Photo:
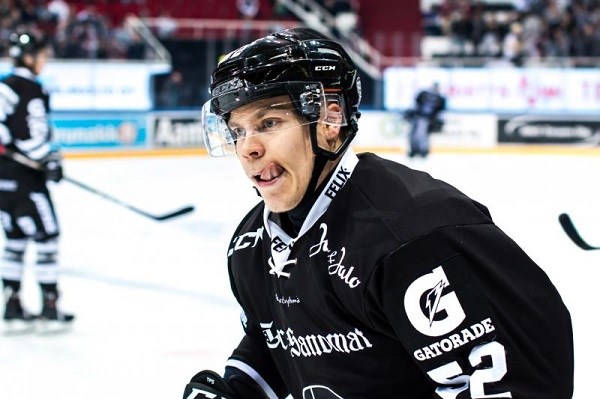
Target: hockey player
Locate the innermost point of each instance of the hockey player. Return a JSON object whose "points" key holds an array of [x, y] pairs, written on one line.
{"points": [[359, 277], [428, 105], [26, 209]]}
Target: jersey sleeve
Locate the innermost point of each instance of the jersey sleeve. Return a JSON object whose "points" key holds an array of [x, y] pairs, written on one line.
{"points": [[477, 315], [24, 117], [8, 103], [252, 356]]}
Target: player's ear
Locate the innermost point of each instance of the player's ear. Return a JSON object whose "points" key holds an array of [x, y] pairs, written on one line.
{"points": [[329, 137], [332, 132], [329, 130], [333, 121], [28, 60]]}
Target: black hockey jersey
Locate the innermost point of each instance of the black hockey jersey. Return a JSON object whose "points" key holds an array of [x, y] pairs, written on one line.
{"points": [[397, 286], [24, 108]]}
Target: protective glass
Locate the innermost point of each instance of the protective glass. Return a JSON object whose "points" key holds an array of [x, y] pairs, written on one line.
{"points": [[269, 111]]}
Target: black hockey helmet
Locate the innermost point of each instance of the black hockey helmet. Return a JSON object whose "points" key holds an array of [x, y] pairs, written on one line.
{"points": [[273, 65], [23, 42]]}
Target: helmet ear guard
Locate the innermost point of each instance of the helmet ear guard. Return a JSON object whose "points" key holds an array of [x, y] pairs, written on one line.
{"points": [[310, 104], [338, 119]]}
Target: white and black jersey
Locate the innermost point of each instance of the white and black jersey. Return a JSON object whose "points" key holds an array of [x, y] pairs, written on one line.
{"points": [[397, 286], [24, 108], [26, 209]]}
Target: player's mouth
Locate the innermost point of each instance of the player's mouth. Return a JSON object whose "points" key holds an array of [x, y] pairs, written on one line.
{"points": [[269, 175]]}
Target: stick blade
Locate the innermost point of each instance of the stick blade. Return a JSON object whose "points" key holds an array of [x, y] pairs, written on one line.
{"points": [[171, 215], [569, 228]]}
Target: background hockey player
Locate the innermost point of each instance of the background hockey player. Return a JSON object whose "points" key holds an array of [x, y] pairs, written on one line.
{"points": [[26, 209], [424, 119], [359, 277]]}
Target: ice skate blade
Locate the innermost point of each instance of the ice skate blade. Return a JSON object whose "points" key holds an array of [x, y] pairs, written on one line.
{"points": [[49, 327], [18, 327]]}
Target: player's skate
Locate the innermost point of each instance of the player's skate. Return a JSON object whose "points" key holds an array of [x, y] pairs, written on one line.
{"points": [[52, 319], [16, 319]]}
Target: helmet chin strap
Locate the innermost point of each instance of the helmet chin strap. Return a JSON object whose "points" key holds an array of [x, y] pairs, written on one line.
{"points": [[310, 195], [299, 213], [291, 221]]}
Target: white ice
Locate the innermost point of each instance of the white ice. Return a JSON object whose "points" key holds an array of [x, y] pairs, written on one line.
{"points": [[152, 299]]}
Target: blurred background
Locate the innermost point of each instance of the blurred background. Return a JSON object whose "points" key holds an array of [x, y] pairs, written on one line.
{"points": [[513, 71]]}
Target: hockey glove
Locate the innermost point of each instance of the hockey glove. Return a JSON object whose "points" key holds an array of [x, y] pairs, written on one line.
{"points": [[208, 384], [237, 385], [52, 166]]}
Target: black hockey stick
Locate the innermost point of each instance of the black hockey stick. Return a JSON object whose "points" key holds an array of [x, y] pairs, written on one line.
{"points": [[569, 228], [166, 216], [23, 160]]}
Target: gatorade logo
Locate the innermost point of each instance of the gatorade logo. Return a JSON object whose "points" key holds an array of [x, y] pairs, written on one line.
{"points": [[431, 309]]}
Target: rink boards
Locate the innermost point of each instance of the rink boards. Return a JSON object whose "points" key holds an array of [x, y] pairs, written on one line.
{"points": [[113, 134]]}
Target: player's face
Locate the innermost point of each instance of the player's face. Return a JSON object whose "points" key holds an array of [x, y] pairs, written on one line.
{"points": [[39, 61], [278, 162]]}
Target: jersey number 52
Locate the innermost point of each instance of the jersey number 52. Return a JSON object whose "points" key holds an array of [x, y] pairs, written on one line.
{"points": [[452, 374]]}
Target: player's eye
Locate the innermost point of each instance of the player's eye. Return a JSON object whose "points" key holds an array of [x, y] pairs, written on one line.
{"points": [[237, 132], [270, 124]]}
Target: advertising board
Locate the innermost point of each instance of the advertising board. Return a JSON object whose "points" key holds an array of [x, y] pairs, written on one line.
{"points": [[499, 89], [548, 129], [98, 85], [176, 129], [380, 130], [81, 131]]}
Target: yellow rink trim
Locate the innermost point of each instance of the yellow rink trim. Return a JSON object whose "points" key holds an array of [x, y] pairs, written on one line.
{"points": [[503, 149], [136, 153]]}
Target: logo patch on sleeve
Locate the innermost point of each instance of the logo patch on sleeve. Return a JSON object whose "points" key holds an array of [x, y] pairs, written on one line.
{"points": [[446, 310], [441, 311]]}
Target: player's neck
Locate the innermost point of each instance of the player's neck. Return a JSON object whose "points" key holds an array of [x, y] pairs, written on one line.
{"points": [[291, 221]]}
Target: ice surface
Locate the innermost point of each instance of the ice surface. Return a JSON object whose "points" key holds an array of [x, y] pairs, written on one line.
{"points": [[152, 299]]}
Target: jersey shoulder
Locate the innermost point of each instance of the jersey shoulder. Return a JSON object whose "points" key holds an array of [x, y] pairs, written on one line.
{"points": [[23, 88], [251, 221], [412, 202]]}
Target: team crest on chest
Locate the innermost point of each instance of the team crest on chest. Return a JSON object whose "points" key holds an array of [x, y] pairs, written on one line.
{"points": [[279, 269], [334, 259]]}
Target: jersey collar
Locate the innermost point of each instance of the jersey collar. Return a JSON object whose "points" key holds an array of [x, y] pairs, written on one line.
{"points": [[344, 168], [24, 73]]}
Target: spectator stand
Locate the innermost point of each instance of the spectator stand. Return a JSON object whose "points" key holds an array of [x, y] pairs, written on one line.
{"points": [[513, 32]]}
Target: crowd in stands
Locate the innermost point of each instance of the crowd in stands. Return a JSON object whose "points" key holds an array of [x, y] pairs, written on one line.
{"points": [[525, 29], [345, 13], [76, 30], [94, 29], [532, 29]]}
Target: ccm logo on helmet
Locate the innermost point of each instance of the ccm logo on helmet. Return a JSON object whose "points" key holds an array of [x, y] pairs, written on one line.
{"points": [[325, 68]]}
